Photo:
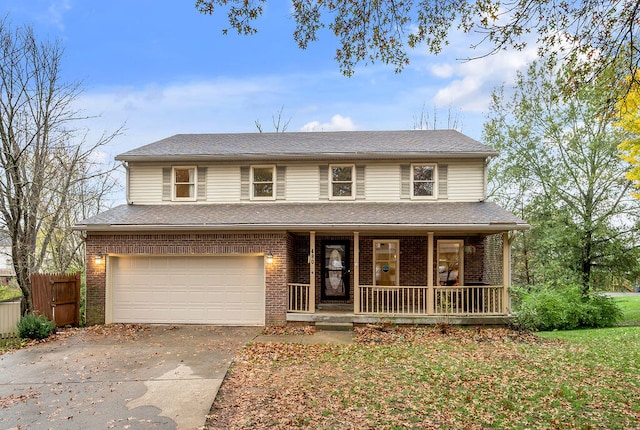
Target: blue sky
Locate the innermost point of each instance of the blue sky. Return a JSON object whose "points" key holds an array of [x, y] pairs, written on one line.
{"points": [[160, 68]]}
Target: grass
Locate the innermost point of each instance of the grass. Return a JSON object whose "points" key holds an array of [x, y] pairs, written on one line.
{"points": [[9, 293], [422, 378], [11, 344], [630, 306]]}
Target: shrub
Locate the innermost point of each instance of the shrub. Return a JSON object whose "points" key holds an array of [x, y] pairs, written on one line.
{"points": [[565, 308], [35, 327], [601, 311]]}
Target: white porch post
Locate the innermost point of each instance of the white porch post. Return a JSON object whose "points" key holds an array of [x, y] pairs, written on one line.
{"points": [[430, 273], [356, 272], [506, 271], [312, 271]]}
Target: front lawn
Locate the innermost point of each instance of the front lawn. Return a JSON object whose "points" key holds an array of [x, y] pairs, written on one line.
{"points": [[423, 378], [630, 306]]}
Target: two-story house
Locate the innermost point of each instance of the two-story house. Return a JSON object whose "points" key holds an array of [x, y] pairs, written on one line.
{"points": [[266, 228]]}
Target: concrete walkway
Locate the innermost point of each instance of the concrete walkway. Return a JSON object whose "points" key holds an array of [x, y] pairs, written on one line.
{"points": [[163, 377], [621, 294]]}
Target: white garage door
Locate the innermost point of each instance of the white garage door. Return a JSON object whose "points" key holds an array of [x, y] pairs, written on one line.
{"points": [[189, 290]]}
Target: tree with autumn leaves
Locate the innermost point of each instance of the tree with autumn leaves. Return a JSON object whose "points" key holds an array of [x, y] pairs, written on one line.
{"points": [[628, 110], [559, 169]]}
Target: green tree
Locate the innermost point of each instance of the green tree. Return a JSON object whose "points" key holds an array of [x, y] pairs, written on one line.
{"points": [[559, 169], [381, 30], [49, 173]]}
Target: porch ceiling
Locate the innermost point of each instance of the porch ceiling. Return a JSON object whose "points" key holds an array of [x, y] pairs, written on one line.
{"points": [[326, 216]]}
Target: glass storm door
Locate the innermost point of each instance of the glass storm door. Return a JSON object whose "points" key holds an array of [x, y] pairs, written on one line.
{"points": [[335, 270]]}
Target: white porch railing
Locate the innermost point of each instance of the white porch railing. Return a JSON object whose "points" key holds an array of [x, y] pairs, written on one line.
{"points": [[393, 300], [299, 298], [469, 300], [414, 300], [422, 300]]}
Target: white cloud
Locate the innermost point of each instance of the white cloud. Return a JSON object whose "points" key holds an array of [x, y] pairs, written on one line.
{"points": [[467, 84], [56, 11], [156, 111], [472, 82], [337, 123], [442, 70]]}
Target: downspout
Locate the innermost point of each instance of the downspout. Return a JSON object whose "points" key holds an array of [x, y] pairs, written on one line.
{"points": [[126, 169]]}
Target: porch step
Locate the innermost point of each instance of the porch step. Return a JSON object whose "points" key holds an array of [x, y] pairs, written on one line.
{"points": [[347, 307], [334, 326]]}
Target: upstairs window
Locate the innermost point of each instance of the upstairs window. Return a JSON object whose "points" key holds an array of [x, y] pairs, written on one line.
{"points": [[184, 183], [263, 183], [342, 178], [423, 181]]}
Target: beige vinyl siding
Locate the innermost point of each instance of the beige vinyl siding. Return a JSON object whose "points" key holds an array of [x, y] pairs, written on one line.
{"points": [[382, 182], [302, 183], [466, 180], [145, 184], [223, 184]]}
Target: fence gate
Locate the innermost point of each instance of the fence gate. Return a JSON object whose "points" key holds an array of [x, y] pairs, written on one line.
{"points": [[57, 296]]}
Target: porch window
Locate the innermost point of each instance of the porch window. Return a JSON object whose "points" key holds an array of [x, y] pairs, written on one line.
{"points": [[423, 181], [450, 262], [385, 262], [263, 183], [184, 183], [342, 181]]}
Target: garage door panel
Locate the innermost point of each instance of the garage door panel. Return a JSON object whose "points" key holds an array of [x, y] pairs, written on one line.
{"points": [[194, 289]]}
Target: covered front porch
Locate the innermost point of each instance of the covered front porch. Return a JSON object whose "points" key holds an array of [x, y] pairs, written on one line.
{"points": [[410, 277]]}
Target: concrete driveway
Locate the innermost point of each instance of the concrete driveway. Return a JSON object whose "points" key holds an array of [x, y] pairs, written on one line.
{"points": [[121, 377]]}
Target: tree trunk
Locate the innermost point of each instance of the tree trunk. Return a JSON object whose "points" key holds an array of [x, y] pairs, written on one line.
{"points": [[586, 263]]}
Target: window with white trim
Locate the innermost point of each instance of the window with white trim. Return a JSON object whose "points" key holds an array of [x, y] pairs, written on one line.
{"points": [[184, 183], [450, 262], [385, 263], [263, 182], [423, 181], [342, 178]]}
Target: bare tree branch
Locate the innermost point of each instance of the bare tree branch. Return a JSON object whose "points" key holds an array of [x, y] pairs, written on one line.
{"points": [[49, 176]]}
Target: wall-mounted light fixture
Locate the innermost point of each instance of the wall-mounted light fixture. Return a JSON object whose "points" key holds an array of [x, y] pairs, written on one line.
{"points": [[269, 258], [99, 259]]}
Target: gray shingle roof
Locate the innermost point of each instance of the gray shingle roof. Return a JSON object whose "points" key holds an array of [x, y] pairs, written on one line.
{"points": [[361, 216], [311, 145]]}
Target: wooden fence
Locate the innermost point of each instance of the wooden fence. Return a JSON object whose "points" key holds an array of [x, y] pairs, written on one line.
{"points": [[57, 296]]}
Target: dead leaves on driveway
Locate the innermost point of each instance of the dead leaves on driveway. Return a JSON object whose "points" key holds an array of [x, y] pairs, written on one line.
{"points": [[8, 401]]}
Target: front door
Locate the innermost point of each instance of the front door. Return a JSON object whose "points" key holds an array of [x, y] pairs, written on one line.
{"points": [[335, 270]]}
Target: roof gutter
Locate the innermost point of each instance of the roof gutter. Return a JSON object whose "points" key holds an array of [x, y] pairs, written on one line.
{"points": [[491, 227], [311, 157]]}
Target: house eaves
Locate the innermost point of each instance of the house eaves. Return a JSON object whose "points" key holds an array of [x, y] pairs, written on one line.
{"points": [[274, 157], [356, 216]]}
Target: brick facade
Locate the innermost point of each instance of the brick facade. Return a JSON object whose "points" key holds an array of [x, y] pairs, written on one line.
{"points": [[279, 244], [290, 261], [413, 260]]}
